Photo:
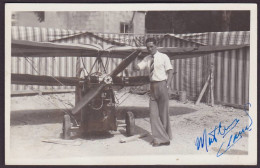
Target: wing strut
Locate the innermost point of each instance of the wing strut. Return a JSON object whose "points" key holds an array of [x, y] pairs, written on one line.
{"points": [[98, 88]]}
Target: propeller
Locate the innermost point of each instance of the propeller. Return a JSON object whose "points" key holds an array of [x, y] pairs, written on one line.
{"points": [[97, 89], [89, 96], [125, 63]]}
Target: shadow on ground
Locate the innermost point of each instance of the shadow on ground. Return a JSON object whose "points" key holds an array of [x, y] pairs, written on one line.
{"points": [[138, 130], [143, 112], [36, 117], [96, 135]]}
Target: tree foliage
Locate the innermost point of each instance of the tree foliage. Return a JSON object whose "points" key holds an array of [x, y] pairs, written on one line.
{"points": [[196, 21], [40, 15]]}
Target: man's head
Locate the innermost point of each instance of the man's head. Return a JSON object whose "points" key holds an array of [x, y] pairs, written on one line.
{"points": [[151, 45]]}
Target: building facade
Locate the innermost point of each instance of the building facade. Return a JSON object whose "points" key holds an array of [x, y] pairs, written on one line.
{"points": [[94, 21]]}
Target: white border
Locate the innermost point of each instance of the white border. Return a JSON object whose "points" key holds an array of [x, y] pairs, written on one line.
{"points": [[250, 159]]}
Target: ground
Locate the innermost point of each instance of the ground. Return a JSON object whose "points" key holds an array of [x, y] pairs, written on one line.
{"points": [[36, 124]]}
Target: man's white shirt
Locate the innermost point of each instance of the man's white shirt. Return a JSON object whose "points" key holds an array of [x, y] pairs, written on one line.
{"points": [[162, 64]]}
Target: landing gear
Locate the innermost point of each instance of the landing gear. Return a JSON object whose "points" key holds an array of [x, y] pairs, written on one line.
{"points": [[130, 123]]}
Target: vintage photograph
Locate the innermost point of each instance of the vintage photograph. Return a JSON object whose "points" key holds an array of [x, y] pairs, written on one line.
{"points": [[117, 84]]}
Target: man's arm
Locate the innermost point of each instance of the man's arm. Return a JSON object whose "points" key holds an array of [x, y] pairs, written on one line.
{"points": [[170, 75], [169, 70]]}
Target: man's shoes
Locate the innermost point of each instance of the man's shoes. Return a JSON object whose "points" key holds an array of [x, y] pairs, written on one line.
{"points": [[156, 144]]}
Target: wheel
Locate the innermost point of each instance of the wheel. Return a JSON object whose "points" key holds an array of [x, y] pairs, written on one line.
{"points": [[130, 123], [66, 127]]}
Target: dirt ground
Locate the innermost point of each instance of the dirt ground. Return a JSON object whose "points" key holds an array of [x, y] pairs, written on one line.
{"points": [[37, 120]]}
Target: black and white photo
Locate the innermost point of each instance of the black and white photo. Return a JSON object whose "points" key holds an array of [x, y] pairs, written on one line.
{"points": [[131, 84]]}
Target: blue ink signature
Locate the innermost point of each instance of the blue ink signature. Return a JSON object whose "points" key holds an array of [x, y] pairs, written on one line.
{"points": [[209, 138]]}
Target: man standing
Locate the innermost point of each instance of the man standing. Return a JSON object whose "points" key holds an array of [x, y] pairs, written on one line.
{"points": [[161, 73]]}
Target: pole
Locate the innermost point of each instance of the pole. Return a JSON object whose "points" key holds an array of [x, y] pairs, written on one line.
{"points": [[78, 90], [212, 84]]}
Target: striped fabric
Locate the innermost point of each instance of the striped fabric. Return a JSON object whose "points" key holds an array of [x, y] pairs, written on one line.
{"points": [[197, 38], [231, 73], [201, 38], [231, 68], [61, 35], [229, 38]]}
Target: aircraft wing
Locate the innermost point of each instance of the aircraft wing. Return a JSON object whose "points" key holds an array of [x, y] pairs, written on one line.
{"points": [[21, 48], [42, 80], [189, 52], [172, 52], [26, 79]]}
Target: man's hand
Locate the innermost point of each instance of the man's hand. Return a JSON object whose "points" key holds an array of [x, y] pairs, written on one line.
{"points": [[135, 66]]}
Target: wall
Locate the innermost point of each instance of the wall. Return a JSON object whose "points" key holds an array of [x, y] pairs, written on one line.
{"points": [[106, 22], [139, 23]]}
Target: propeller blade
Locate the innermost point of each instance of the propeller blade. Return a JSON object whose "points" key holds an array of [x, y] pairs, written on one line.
{"points": [[95, 90], [125, 63], [26, 79]]}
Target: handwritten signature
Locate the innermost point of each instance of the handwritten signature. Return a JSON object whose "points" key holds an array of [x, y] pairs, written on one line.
{"points": [[208, 139]]}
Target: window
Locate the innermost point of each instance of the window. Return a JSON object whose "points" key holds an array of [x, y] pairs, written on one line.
{"points": [[13, 16], [14, 19], [14, 23], [125, 27]]}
